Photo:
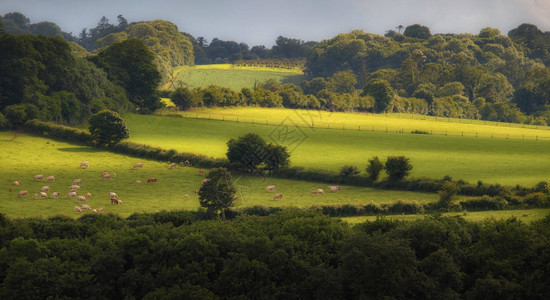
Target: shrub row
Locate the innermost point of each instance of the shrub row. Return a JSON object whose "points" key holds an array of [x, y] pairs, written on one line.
{"points": [[346, 210], [485, 202], [55, 131]]}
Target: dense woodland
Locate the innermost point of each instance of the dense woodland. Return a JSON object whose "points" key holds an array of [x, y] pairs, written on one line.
{"points": [[488, 76], [291, 254]]}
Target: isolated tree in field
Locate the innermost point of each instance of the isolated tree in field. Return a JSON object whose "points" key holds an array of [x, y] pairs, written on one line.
{"points": [[218, 192], [374, 168], [397, 167], [108, 128], [447, 194], [382, 93], [254, 154]]}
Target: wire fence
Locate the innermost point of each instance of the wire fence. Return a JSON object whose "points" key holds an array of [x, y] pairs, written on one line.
{"points": [[515, 132]]}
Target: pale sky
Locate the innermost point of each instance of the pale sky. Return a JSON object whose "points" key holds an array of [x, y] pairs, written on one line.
{"points": [[260, 22]]}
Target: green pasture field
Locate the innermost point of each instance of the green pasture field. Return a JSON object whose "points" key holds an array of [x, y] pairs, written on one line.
{"points": [[230, 76], [25, 156], [492, 160], [402, 123], [525, 215]]}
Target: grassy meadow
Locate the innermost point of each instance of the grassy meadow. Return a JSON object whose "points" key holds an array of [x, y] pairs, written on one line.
{"points": [[26, 156], [227, 75], [492, 160], [525, 215]]}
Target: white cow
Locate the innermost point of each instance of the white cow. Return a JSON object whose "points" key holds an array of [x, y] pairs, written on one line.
{"points": [[45, 189], [113, 195], [138, 165], [50, 178], [55, 194], [38, 177], [334, 188], [71, 194], [84, 164], [81, 198], [77, 181], [43, 195], [270, 188], [78, 209]]}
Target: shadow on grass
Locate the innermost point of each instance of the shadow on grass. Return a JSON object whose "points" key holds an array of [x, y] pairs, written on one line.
{"points": [[79, 149]]}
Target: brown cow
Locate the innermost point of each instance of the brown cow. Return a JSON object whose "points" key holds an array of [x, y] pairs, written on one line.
{"points": [[204, 181], [55, 194], [138, 165], [278, 196], [173, 165], [38, 177], [84, 164], [152, 179], [314, 192], [196, 191], [201, 172], [77, 181], [23, 193], [50, 178], [115, 201], [186, 163]]}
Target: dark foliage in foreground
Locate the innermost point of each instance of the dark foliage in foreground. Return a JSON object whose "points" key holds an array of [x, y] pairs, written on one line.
{"points": [[291, 254]]}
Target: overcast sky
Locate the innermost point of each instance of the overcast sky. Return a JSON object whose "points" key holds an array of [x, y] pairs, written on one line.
{"points": [[260, 22]]}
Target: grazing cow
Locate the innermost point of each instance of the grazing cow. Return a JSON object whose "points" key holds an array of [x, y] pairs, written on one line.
{"points": [[314, 192], [23, 193], [270, 188], [45, 189], [201, 172], [77, 181], [38, 177], [78, 209], [71, 194], [173, 165], [196, 191], [105, 173], [84, 164], [88, 195], [277, 196], [186, 163], [17, 182], [186, 196], [235, 197], [320, 191], [55, 194], [106, 176], [35, 196], [50, 178], [98, 209], [138, 181], [84, 206], [43, 195], [74, 187], [113, 195], [152, 179], [138, 165], [81, 198], [204, 181], [115, 201], [334, 188]]}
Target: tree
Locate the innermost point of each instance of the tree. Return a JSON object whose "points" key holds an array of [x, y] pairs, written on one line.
{"points": [[108, 128], [348, 170], [183, 98], [374, 168], [417, 31], [447, 194], [382, 93], [255, 155], [397, 167], [217, 193], [130, 64]]}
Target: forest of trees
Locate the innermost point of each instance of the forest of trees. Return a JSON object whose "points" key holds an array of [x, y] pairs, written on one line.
{"points": [[291, 254], [488, 76]]}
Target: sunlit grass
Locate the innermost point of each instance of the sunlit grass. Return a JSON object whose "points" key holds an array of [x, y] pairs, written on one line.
{"points": [[492, 160], [26, 156], [525, 215]]}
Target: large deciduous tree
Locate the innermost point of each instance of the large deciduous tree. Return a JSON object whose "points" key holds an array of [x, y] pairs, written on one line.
{"points": [[255, 155], [130, 65], [108, 128], [217, 193], [397, 167]]}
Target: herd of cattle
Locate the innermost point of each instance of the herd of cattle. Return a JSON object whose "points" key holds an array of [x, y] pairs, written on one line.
{"points": [[73, 189], [332, 188]]}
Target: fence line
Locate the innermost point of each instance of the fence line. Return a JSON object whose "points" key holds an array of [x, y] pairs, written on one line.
{"points": [[370, 128]]}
